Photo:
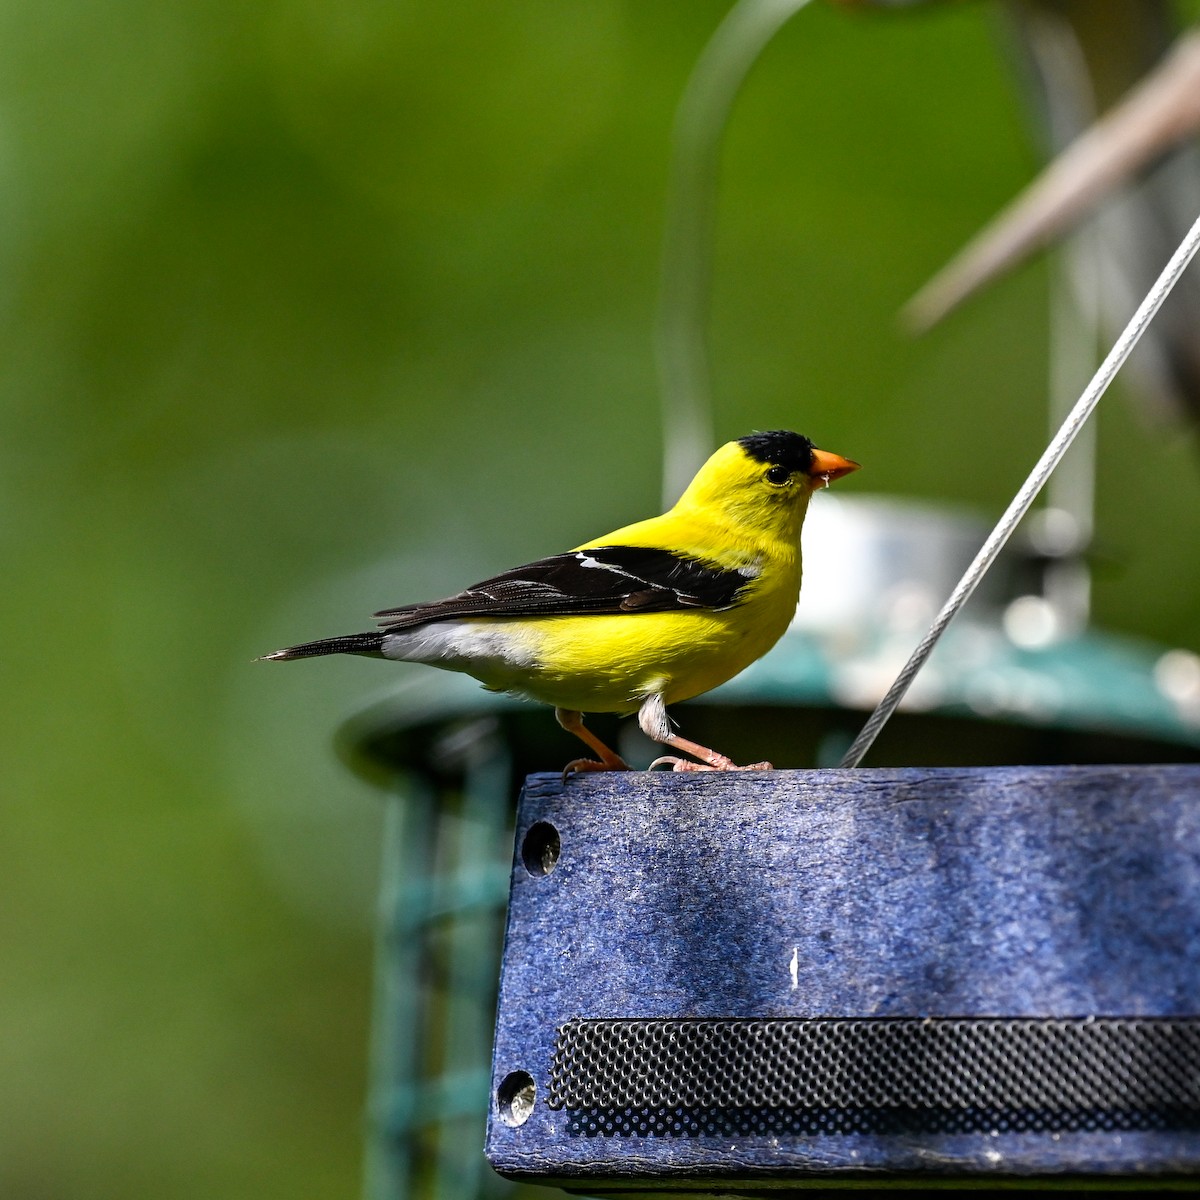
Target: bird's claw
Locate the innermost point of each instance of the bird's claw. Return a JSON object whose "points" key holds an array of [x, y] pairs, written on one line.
{"points": [[725, 764], [583, 765], [680, 764]]}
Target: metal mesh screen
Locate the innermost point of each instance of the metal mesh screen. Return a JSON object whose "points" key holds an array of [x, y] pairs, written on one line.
{"points": [[814, 1074]]}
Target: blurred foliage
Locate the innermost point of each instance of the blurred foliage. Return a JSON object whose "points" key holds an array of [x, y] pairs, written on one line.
{"points": [[309, 309]]}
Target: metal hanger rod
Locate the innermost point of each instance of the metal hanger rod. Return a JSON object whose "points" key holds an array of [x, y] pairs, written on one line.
{"points": [[1025, 497]]}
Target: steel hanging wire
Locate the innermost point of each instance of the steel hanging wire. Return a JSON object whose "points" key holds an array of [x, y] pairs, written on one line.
{"points": [[1021, 503]]}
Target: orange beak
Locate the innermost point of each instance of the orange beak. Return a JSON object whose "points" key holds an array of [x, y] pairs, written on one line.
{"points": [[827, 467]]}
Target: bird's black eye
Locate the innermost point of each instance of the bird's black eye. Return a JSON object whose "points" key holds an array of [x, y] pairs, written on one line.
{"points": [[778, 475]]}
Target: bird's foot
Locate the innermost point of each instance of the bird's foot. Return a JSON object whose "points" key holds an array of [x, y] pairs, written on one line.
{"points": [[719, 763], [582, 765]]}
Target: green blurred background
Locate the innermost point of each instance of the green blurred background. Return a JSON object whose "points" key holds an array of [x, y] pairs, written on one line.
{"points": [[309, 309]]}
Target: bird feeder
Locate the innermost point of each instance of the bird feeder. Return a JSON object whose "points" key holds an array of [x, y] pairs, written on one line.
{"points": [[452, 758], [939, 977]]}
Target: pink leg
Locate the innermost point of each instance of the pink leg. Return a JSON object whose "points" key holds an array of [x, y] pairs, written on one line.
{"points": [[652, 717], [572, 722]]}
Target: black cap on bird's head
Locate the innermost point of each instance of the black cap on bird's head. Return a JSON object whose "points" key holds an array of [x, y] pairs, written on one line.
{"points": [[795, 452], [780, 448]]}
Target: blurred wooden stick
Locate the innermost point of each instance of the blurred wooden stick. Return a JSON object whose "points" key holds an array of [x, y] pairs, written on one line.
{"points": [[1158, 113]]}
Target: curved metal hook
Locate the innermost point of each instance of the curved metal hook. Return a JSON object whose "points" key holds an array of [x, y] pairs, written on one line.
{"points": [[700, 124]]}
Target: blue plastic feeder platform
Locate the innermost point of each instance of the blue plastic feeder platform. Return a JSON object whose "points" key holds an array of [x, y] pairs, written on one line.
{"points": [[727, 984]]}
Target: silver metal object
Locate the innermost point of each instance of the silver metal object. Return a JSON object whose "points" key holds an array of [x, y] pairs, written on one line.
{"points": [[1029, 490]]}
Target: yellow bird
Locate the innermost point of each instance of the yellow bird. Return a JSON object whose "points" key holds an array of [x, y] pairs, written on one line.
{"points": [[640, 618]]}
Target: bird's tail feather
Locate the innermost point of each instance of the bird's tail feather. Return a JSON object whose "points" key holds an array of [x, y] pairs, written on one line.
{"points": [[350, 643]]}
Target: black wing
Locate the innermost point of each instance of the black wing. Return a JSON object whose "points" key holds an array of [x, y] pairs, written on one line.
{"points": [[605, 579]]}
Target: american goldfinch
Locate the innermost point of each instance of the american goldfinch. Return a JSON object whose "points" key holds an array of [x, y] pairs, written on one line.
{"points": [[640, 618]]}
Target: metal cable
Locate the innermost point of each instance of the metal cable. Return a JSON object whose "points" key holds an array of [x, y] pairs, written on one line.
{"points": [[700, 124], [1025, 497]]}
